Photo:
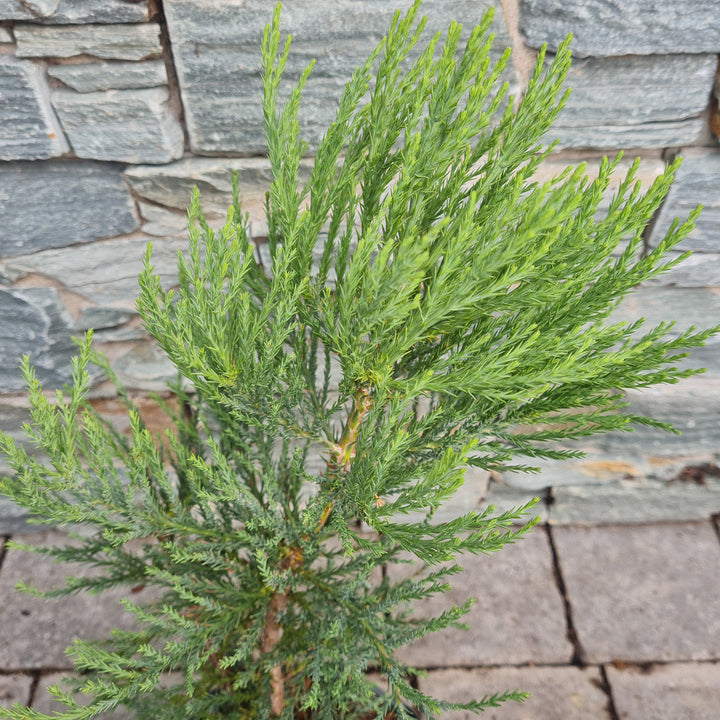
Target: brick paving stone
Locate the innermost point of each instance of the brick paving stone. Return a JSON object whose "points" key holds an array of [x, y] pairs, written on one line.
{"points": [[518, 617], [690, 691], [556, 693], [643, 593], [15, 688], [35, 631], [45, 703]]}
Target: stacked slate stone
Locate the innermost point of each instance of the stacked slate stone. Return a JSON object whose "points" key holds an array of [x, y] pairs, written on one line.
{"points": [[111, 110]]}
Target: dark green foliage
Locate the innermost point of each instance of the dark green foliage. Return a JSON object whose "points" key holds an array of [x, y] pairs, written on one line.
{"points": [[424, 265]]}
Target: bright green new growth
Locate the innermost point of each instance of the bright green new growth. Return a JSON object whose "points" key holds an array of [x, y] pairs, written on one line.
{"points": [[447, 280]]}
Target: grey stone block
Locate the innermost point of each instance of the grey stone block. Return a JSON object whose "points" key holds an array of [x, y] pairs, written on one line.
{"points": [[643, 593], [54, 204], [101, 318], [29, 129], [687, 307], [5, 35], [36, 324], [566, 693], [146, 368], [74, 11], [665, 692], [518, 617], [633, 502], [171, 185], [697, 182], [161, 222], [635, 101], [697, 271], [90, 77], [647, 135], [51, 624], [104, 272], [134, 126], [216, 49], [108, 42], [602, 28], [15, 688]]}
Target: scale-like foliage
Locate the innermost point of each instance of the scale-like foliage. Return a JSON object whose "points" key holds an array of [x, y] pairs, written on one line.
{"points": [[423, 264]]}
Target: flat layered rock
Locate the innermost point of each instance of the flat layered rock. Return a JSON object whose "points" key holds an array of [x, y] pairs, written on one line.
{"points": [[133, 126], [74, 11], [54, 204], [216, 49], [643, 593], [635, 101], [630, 502], [90, 77], [104, 272], [36, 324], [601, 28], [29, 129], [697, 181], [171, 185], [108, 42]]}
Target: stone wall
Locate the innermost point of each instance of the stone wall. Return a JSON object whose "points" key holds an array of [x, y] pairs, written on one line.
{"points": [[111, 110]]}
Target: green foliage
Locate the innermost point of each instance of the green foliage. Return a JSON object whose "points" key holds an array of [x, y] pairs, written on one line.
{"points": [[423, 264]]}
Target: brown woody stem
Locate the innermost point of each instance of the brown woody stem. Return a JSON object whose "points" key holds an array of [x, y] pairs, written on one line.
{"points": [[270, 639]]}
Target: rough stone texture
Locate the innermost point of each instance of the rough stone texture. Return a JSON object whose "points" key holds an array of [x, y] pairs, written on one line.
{"points": [[698, 306], [161, 222], [104, 272], [215, 46], [566, 693], [90, 77], [54, 204], [74, 11], [518, 616], [171, 185], [630, 502], [29, 129], [108, 42], [647, 135], [145, 368], [52, 624], [698, 270], [134, 126], [35, 323], [15, 688], [5, 35], [602, 28], [697, 182], [635, 101], [666, 692], [643, 593]]}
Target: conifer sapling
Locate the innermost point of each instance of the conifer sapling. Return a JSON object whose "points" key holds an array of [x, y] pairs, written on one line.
{"points": [[464, 307]]}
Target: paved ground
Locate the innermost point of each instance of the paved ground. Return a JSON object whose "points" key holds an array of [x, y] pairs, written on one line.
{"points": [[603, 622]]}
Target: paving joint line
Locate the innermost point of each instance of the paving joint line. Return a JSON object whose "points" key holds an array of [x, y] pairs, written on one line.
{"points": [[4, 548], [607, 689], [571, 633]]}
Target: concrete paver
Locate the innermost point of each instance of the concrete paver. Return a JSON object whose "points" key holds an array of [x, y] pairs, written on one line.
{"points": [[556, 693], [690, 691], [15, 688], [643, 593], [45, 703], [519, 615], [36, 631]]}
